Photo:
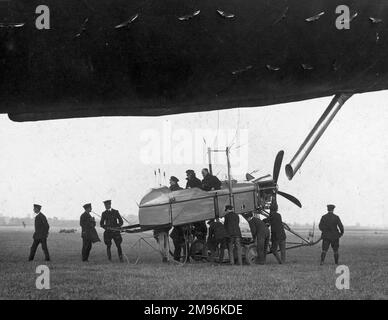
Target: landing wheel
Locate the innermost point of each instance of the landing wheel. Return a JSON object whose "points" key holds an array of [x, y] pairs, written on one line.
{"points": [[196, 250], [250, 254]]}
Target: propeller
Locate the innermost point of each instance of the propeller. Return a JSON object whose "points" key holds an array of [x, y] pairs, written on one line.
{"points": [[277, 165], [276, 170], [290, 198]]}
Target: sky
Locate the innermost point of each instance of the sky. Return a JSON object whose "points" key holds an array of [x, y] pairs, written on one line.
{"points": [[63, 164]]}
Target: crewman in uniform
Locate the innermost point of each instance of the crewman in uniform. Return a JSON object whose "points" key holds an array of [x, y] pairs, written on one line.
{"points": [[111, 218], [217, 239], [174, 186], [41, 233], [209, 181], [278, 235], [260, 235], [192, 180], [178, 238], [89, 234], [332, 229], [232, 227], [199, 231]]}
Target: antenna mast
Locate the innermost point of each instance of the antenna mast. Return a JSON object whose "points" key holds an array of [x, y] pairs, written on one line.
{"points": [[227, 151], [229, 177], [209, 155]]}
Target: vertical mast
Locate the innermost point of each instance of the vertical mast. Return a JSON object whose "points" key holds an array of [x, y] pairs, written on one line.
{"points": [[229, 178], [209, 155]]}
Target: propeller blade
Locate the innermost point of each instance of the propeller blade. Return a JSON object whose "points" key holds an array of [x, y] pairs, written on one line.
{"points": [[277, 165], [249, 177], [290, 198]]}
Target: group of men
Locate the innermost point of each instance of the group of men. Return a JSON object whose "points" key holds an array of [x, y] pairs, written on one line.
{"points": [[208, 183], [110, 221], [219, 237], [227, 235]]}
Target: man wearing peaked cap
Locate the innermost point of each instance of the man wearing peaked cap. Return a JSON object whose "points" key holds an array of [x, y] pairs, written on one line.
{"points": [[232, 227], [41, 233], [89, 234], [174, 186], [332, 229], [110, 220]]}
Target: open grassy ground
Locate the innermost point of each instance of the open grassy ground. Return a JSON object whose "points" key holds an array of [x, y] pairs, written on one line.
{"points": [[365, 253]]}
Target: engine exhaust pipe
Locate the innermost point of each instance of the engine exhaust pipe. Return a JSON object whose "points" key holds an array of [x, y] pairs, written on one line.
{"points": [[314, 135]]}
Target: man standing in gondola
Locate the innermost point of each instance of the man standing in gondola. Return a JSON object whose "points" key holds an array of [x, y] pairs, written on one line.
{"points": [[209, 181], [174, 186], [192, 180]]}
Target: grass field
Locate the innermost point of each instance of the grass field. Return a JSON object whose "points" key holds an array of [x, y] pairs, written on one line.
{"points": [[365, 253]]}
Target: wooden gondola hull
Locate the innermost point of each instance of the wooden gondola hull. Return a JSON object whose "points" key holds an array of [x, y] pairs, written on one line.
{"points": [[161, 207]]}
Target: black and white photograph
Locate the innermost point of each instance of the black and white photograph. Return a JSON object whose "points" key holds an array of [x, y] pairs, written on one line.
{"points": [[204, 152]]}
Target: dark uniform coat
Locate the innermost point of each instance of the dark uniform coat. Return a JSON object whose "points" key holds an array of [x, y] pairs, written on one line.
{"points": [[193, 183], [277, 228], [200, 230], [40, 236], [111, 218], [258, 228], [88, 225], [209, 182], [175, 187], [41, 227], [331, 226], [231, 224], [217, 231], [178, 237], [177, 234]]}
